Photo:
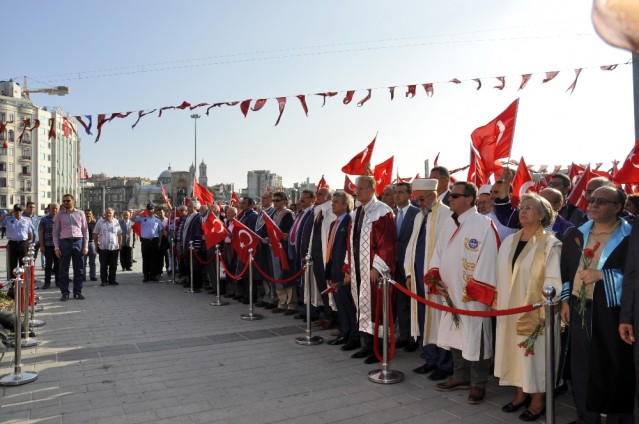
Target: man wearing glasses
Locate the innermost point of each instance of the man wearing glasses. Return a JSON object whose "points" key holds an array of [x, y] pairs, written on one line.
{"points": [[71, 242], [465, 256]]}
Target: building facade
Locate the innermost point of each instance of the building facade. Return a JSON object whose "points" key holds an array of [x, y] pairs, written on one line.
{"points": [[258, 181], [39, 151]]}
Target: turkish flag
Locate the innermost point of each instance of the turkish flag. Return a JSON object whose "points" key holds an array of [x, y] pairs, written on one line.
{"points": [[164, 196], [234, 199], [275, 236], [349, 187], [629, 171], [136, 227], [65, 127], [575, 171], [383, 174], [86, 174], [476, 174], [522, 183], [541, 184], [494, 140], [214, 231], [357, 165], [243, 240], [201, 192], [578, 194], [321, 184]]}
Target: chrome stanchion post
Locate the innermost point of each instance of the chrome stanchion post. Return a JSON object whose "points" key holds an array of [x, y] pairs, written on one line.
{"points": [[32, 321], [27, 341], [18, 377], [218, 301], [385, 375], [250, 316], [191, 266], [549, 334], [173, 249], [308, 339]]}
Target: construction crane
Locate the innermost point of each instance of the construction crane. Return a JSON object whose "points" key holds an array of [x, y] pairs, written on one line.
{"points": [[60, 90]]}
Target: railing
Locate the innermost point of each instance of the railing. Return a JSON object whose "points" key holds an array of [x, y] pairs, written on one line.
{"points": [[25, 174], [25, 157]]}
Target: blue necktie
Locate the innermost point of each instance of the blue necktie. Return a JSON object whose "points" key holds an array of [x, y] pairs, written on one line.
{"points": [[400, 219]]}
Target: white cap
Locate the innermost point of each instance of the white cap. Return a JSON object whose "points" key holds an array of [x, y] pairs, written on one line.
{"points": [[485, 189], [429, 184]]}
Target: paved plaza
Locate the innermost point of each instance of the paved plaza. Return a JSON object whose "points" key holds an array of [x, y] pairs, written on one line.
{"points": [[149, 352]]}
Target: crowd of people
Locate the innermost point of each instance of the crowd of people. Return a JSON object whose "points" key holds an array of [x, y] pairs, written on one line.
{"points": [[475, 249]]}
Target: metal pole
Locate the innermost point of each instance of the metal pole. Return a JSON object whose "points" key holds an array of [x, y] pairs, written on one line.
{"points": [[18, 377], [32, 321], [549, 333], [251, 316], [218, 301], [308, 339], [191, 266], [195, 117], [27, 341], [385, 375]]}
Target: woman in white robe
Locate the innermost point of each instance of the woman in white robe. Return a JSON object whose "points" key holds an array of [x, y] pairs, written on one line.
{"points": [[527, 261]]}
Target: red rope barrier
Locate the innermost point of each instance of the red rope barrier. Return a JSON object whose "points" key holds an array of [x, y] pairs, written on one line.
{"points": [[228, 273], [391, 332], [202, 261], [493, 313], [275, 280]]}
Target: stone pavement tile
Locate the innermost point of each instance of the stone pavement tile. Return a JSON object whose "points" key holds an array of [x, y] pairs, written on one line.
{"points": [[108, 411], [150, 405], [382, 417], [344, 413], [85, 417], [60, 409], [133, 418], [265, 418], [287, 331], [434, 417], [225, 338], [257, 334], [15, 416], [50, 420]]}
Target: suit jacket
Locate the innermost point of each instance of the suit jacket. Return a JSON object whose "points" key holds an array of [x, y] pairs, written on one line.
{"points": [[334, 267], [304, 234], [403, 237], [630, 295]]}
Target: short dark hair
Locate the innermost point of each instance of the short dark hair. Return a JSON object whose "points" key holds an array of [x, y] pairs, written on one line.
{"points": [[29, 203], [442, 170], [470, 189], [310, 193], [281, 195], [88, 210], [565, 179], [634, 199], [249, 200], [409, 187]]}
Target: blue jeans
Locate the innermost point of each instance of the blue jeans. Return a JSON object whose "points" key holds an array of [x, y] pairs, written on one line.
{"points": [[91, 257], [71, 251]]}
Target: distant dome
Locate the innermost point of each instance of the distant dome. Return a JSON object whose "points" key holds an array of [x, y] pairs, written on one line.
{"points": [[165, 176]]}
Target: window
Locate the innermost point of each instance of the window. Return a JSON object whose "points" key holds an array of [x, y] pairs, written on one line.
{"points": [[48, 194], [10, 151], [3, 182], [10, 167], [42, 194], [11, 135], [43, 168], [43, 156], [25, 169], [42, 180], [28, 185], [3, 166], [3, 151], [2, 117], [10, 117], [26, 153], [3, 201]]}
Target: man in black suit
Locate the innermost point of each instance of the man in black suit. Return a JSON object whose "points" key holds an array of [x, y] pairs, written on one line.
{"points": [[336, 251], [300, 236], [441, 174], [568, 211], [249, 219], [405, 214], [629, 316]]}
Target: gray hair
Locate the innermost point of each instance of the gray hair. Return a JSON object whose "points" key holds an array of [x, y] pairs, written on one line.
{"points": [[345, 198], [543, 207]]}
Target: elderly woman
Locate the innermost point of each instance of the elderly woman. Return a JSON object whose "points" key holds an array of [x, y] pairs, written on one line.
{"points": [[527, 261]]}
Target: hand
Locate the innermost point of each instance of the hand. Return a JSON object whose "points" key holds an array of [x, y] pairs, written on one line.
{"points": [[565, 313], [542, 322], [42, 248], [374, 276], [85, 251], [590, 276], [408, 282], [285, 237], [627, 333], [58, 253], [347, 279], [264, 240]]}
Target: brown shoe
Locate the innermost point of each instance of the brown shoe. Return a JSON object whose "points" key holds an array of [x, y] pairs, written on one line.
{"points": [[451, 384], [476, 395]]}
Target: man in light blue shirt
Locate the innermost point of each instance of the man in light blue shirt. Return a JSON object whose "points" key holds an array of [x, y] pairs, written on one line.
{"points": [[151, 229], [20, 232]]}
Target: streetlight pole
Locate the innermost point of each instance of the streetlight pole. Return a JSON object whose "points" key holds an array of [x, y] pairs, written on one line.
{"points": [[195, 117]]}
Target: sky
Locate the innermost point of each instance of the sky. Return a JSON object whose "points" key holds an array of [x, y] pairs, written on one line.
{"points": [[142, 55]]}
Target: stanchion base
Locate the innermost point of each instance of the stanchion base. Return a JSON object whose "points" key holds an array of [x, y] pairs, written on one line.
{"points": [[189, 291], [37, 323], [18, 379], [218, 302], [386, 377], [251, 317], [39, 308], [309, 340], [28, 342]]}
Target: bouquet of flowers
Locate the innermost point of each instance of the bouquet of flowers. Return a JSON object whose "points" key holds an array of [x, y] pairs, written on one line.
{"points": [[332, 287], [529, 343], [435, 285], [587, 255]]}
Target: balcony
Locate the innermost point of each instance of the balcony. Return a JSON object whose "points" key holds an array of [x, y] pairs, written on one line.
{"points": [[25, 174], [25, 157]]}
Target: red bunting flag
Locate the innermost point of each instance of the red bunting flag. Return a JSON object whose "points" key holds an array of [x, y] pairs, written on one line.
{"points": [[243, 240], [259, 104], [281, 104], [302, 99], [501, 86], [214, 231], [349, 187], [87, 127], [494, 140], [629, 171], [86, 174], [52, 127], [392, 92], [455, 81], [578, 194], [478, 81], [202, 193], [383, 174], [524, 80], [436, 159], [365, 99], [244, 107], [164, 196], [411, 91], [572, 86], [327, 94], [234, 199], [275, 236], [522, 183], [349, 97], [141, 114], [357, 165], [550, 76]]}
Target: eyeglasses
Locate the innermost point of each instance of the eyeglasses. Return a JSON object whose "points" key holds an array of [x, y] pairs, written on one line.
{"points": [[601, 201], [458, 195], [278, 200], [66, 201]]}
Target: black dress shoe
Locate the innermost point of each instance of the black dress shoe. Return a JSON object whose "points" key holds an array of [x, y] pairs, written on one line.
{"points": [[439, 374], [400, 344], [103, 284], [277, 311], [78, 296], [425, 369], [337, 341], [528, 415], [290, 312], [361, 354], [144, 280], [270, 306], [260, 304], [514, 407], [114, 283], [94, 279], [299, 316], [351, 346], [372, 359], [64, 298], [411, 346]]}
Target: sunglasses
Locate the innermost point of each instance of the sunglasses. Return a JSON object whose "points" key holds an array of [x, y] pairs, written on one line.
{"points": [[278, 200], [66, 201], [458, 195], [601, 201]]}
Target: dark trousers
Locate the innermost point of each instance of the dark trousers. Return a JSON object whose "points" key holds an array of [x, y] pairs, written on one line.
{"points": [[90, 257], [474, 371], [51, 265], [347, 318], [71, 252], [108, 265], [150, 255], [16, 250], [126, 257]]}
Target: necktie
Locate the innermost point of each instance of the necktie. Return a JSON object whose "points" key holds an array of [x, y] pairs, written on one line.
{"points": [[455, 216], [295, 225], [400, 219], [331, 238]]}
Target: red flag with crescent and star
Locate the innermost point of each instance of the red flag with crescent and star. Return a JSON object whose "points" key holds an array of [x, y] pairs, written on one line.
{"points": [[243, 240], [214, 231], [349, 187], [275, 236], [578, 194], [357, 165], [383, 174], [629, 171], [202, 193], [234, 199], [522, 183]]}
